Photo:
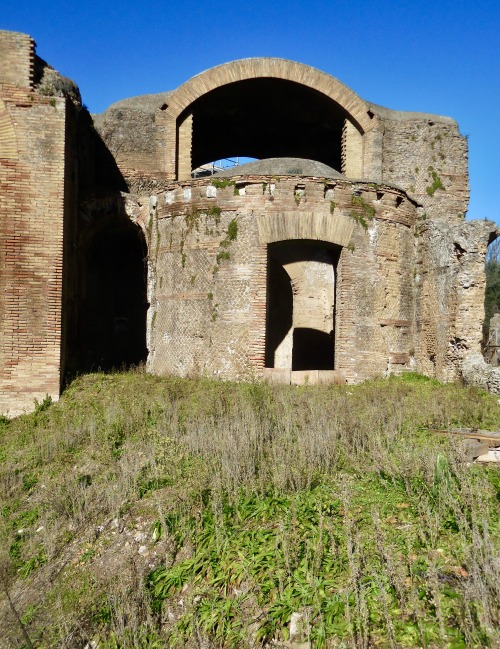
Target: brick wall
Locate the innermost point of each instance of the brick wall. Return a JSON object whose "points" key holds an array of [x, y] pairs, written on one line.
{"points": [[31, 233], [17, 57], [208, 298]]}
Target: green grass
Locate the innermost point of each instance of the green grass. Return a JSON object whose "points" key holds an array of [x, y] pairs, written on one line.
{"points": [[254, 506]]}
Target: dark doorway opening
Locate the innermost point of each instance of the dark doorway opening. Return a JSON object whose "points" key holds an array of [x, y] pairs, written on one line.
{"points": [[312, 350], [300, 322], [114, 306]]}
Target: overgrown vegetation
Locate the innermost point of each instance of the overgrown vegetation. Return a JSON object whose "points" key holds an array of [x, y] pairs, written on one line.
{"points": [[148, 512], [362, 212], [436, 184], [224, 254], [221, 183]]}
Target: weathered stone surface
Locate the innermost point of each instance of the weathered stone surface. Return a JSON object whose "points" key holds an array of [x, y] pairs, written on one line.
{"points": [[282, 167], [130, 131], [50, 83], [475, 371], [450, 284]]}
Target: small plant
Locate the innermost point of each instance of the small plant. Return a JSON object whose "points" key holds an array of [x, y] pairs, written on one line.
{"points": [[232, 230], [362, 211], [300, 192], [231, 235], [332, 207], [192, 220], [436, 183], [214, 213], [222, 255], [181, 250], [220, 183], [44, 404]]}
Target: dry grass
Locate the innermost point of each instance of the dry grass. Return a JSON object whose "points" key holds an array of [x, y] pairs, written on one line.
{"points": [[144, 512]]}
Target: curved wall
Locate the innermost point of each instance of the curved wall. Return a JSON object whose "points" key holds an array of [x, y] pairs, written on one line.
{"points": [[208, 245]]}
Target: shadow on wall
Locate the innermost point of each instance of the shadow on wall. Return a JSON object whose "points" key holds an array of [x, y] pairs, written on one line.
{"points": [[279, 308], [105, 302], [114, 304]]}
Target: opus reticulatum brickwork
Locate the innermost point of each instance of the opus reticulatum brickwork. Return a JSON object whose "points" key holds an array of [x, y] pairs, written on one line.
{"points": [[341, 254]]}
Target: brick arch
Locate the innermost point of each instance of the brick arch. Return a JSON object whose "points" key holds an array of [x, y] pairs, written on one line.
{"points": [[313, 226], [178, 134], [8, 139]]}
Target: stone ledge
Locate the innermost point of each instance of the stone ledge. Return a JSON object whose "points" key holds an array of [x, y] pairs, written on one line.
{"points": [[303, 377]]}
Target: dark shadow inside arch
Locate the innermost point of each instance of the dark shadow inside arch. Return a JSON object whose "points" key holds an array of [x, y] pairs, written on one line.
{"points": [[279, 307], [266, 118], [305, 348], [114, 292]]}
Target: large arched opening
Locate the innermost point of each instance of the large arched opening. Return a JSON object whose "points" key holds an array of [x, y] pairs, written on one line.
{"points": [[266, 118], [265, 108]]}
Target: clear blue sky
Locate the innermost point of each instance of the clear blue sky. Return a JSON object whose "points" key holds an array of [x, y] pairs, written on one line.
{"points": [[440, 57]]}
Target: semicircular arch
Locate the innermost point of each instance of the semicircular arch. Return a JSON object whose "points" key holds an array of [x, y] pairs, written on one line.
{"points": [[266, 107], [245, 69]]}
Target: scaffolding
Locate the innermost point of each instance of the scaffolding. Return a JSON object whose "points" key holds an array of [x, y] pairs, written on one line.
{"points": [[214, 167]]}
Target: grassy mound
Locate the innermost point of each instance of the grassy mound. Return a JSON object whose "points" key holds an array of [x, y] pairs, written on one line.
{"points": [[149, 512]]}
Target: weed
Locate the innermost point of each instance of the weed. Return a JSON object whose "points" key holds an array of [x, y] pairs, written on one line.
{"points": [[220, 183], [362, 211], [331, 503], [42, 406], [232, 230], [192, 220], [222, 255], [214, 212], [436, 183]]}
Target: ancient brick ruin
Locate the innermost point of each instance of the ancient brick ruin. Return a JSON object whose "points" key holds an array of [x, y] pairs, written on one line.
{"points": [[342, 254]]}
